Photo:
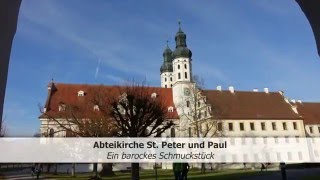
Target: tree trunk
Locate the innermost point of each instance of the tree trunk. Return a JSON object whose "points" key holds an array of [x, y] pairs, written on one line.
{"points": [[95, 170], [203, 167], [107, 169], [73, 170], [135, 171], [48, 167], [55, 168]]}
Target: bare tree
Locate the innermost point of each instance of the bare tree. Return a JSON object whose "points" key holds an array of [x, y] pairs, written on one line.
{"points": [[204, 119], [137, 114], [2, 128], [84, 119]]}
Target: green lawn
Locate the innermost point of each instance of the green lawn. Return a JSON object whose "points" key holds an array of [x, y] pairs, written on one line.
{"points": [[168, 175], [317, 177], [12, 169]]}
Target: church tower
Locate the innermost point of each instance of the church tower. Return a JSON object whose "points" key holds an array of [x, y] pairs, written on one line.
{"points": [[182, 70], [166, 71], [183, 86]]}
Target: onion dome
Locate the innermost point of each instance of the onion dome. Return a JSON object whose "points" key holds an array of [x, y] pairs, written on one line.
{"points": [[167, 60], [181, 45]]}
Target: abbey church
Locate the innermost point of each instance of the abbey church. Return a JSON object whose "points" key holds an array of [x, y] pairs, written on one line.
{"points": [[254, 113]]}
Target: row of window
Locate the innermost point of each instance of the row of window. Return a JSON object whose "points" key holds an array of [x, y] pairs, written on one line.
{"points": [[185, 66], [262, 124], [179, 77], [185, 75], [256, 157], [199, 104], [167, 86], [165, 79], [311, 129]]}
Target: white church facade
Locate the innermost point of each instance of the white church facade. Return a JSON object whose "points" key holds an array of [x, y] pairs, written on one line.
{"points": [[236, 113]]}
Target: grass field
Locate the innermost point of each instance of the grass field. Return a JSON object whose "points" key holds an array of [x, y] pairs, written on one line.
{"points": [[312, 178], [168, 175]]}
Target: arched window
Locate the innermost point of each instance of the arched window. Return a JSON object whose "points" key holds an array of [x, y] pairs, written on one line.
{"points": [[185, 66], [170, 109], [165, 86], [186, 75], [188, 103], [51, 132], [173, 132], [179, 76], [80, 93], [178, 66], [154, 95], [96, 108], [171, 85], [170, 78], [165, 79]]}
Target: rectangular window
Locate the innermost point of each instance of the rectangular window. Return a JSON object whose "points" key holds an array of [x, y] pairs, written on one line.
{"points": [[230, 126], [188, 103], [295, 126], [179, 76], [173, 132], [316, 153], [245, 157], [185, 75], [311, 129], [254, 141], [252, 126], [284, 125], [219, 126], [278, 156], [319, 129], [300, 155], [286, 139], [243, 141], [241, 127], [234, 157], [289, 156], [274, 126], [263, 126], [265, 140]]}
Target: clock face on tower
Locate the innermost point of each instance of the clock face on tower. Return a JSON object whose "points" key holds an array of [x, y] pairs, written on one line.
{"points": [[186, 91]]}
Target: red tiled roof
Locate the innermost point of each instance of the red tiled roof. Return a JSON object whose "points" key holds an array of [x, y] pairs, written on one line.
{"points": [[309, 111], [250, 105], [68, 94]]}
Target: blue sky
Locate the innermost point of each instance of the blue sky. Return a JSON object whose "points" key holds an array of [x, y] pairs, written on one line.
{"points": [[248, 44]]}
